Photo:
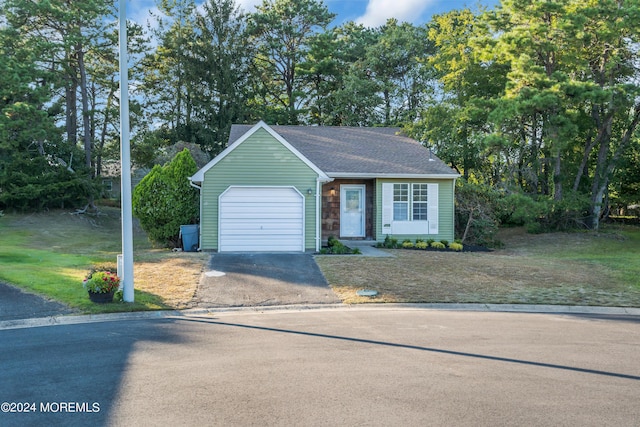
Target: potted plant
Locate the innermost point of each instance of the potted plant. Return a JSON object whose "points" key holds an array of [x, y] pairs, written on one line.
{"points": [[101, 286]]}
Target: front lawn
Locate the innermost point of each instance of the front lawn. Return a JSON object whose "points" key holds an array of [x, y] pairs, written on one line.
{"points": [[50, 254], [558, 268]]}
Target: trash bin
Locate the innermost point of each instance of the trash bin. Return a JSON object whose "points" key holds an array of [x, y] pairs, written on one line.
{"points": [[189, 236]]}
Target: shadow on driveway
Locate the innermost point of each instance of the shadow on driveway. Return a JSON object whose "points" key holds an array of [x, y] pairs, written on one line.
{"points": [[254, 279]]}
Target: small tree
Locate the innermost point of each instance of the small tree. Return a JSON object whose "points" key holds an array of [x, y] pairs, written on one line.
{"points": [[164, 200], [476, 213]]}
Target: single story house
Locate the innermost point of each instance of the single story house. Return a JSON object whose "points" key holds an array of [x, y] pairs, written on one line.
{"points": [[288, 188]]}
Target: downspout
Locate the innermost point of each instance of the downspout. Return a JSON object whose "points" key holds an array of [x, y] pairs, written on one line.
{"points": [[454, 207], [319, 183], [200, 214]]}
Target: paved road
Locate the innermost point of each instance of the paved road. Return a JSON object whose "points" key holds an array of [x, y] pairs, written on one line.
{"points": [[338, 367]]}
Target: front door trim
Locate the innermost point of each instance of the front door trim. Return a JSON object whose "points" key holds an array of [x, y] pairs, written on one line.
{"points": [[352, 217]]}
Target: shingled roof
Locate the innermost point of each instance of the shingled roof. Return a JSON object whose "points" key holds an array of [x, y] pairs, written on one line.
{"points": [[358, 151]]}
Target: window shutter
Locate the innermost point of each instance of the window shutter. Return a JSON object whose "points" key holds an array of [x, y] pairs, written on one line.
{"points": [[432, 208], [387, 207]]}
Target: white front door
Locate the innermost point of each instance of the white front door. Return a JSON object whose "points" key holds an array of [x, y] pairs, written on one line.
{"points": [[352, 210]]}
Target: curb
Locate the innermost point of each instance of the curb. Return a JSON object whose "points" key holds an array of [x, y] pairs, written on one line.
{"points": [[167, 314]]}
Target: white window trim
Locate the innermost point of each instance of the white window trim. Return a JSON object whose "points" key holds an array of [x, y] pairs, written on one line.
{"points": [[390, 226]]}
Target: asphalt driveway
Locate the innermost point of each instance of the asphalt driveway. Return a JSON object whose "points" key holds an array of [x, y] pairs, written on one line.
{"points": [[17, 304], [260, 279]]}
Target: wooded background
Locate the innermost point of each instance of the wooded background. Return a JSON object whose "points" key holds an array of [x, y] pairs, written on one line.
{"points": [[538, 101]]}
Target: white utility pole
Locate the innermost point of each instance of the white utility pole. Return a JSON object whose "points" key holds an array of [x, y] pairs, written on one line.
{"points": [[125, 161]]}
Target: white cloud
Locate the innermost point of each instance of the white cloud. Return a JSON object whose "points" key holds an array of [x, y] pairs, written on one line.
{"points": [[248, 6], [143, 12], [379, 11]]}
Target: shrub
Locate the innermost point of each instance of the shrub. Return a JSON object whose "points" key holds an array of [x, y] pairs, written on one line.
{"points": [[334, 246], [390, 243], [456, 246], [340, 249], [422, 245], [34, 183], [444, 242], [164, 200], [407, 244], [430, 241], [543, 214], [332, 241], [438, 245], [478, 209]]}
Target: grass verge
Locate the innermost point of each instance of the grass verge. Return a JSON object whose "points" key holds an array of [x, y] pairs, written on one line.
{"points": [[50, 254]]}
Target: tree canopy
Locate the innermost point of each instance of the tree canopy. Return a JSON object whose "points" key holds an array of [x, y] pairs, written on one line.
{"points": [[535, 99]]}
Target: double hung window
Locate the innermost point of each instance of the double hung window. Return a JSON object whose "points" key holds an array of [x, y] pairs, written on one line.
{"points": [[410, 202]]}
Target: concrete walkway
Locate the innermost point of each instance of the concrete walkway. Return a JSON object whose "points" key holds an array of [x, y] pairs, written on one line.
{"points": [[367, 247]]}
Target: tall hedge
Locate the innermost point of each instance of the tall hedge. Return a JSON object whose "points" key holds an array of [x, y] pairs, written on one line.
{"points": [[164, 200]]}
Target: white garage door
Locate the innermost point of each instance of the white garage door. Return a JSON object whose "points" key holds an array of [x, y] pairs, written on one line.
{"points": [[261, 219]]}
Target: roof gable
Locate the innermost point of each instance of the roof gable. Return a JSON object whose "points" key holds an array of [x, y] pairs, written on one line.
{"points": [[198, 177]]}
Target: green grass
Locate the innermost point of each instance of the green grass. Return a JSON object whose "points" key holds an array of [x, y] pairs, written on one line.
{"points": [[51, 253], [615, 249]]}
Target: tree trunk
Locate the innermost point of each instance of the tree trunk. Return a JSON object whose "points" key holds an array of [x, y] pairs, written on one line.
{"points": [[85, 107], [557, 177], [103, 133], [606, 166], [468, 226], [71, 120], [588, 148]]}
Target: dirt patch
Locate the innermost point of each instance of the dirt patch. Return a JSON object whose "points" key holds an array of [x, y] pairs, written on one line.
{"points": [[174, 279]]}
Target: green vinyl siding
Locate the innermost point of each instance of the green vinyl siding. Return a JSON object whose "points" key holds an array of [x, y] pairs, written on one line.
{"points": [[259, 161], [446, 228]]}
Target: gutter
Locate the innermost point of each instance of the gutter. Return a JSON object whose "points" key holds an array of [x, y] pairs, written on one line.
{"points": [[392, 175]]}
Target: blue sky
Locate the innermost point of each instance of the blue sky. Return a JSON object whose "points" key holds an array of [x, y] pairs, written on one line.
{"points": [[372, 13]]}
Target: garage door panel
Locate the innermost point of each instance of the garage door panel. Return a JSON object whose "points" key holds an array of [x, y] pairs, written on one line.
{"points": [[261, 219], [261, 213], [261, 231]]}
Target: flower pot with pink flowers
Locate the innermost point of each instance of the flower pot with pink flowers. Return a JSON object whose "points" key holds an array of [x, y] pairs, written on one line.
{"points": [[102, 285]]}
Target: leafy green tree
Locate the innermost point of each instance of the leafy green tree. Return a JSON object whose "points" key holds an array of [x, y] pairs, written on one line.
{"points": [[168, 90], [570, 61], [341, 93], [164, 200], [282, 31], [609, 54], [103, 82], [37, 169], [219, 62], [398, 63], [454, 122]]}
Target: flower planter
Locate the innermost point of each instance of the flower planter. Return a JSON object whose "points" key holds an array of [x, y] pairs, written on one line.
{"points": [[101, 298], [101, 285]]}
